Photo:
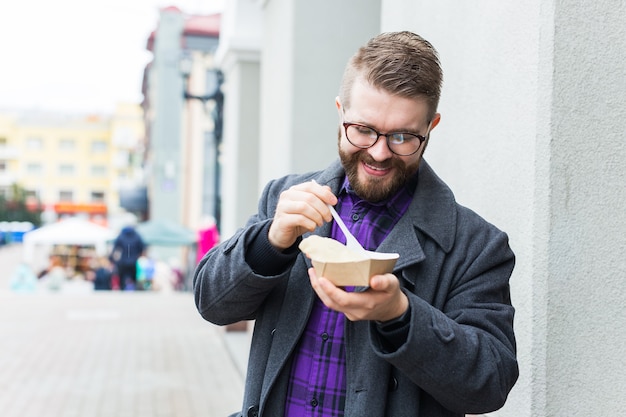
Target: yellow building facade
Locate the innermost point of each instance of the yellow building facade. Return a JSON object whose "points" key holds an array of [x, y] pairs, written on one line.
{"points": [[71, 164]]}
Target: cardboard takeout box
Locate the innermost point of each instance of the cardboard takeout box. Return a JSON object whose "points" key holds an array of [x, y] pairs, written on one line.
{"points": [[343, 266]]}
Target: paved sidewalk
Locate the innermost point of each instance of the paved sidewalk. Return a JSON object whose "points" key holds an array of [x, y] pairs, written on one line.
{"points": [[99, 354]]}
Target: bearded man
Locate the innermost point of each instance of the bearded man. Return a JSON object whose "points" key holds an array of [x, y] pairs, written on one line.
{"points": [[434, 337]]}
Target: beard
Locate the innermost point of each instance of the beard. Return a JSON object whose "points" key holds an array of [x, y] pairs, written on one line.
{"points": [[376, 189]]}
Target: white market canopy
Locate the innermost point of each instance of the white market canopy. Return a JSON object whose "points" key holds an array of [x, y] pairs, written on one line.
{"points": [[72, 231]]}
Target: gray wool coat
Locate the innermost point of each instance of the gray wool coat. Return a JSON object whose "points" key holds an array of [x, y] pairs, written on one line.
{"points": [[460, 354]]}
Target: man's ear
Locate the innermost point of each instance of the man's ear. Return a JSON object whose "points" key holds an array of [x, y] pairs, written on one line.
{"points": [[435, 121], [338, 105]]}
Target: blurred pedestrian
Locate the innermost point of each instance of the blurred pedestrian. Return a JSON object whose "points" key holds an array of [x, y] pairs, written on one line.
{"points": [[165, 277], [24, 279], [208, 237], [103, 274], [55, 276], [145, 272], [127, 248]]}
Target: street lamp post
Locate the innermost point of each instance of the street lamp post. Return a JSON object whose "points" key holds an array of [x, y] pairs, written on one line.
{"points": [[215, 79]]}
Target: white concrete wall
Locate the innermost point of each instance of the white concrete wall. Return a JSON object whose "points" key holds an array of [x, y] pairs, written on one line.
{"points": [[241, 147], [484, 147], [196, 121], [305, 48], [586, 319], [276, 90], [239, 56], [533, 119], [532, 129]]}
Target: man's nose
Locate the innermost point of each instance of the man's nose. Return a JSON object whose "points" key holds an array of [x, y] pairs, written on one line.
{"points": [[380, 150]]}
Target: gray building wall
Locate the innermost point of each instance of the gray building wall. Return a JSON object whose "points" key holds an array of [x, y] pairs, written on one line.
{"points": [[165, 191]]}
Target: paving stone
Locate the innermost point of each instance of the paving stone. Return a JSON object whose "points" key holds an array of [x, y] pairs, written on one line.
{"points": [[82, 353]]}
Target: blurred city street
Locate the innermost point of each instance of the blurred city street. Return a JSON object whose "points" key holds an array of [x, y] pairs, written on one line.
{"points": [[110, 353]]}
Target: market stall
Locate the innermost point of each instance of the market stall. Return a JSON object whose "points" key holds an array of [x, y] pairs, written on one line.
{"points": [[76, 241]]}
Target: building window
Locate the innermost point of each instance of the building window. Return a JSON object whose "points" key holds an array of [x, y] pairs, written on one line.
{"points": [[66, 169], [3, 166], [121, 159], [33, 168], [67, 145], [98, 146], [31, 194], [98, 171], [66, 196], [97, 197], [34, 144]]}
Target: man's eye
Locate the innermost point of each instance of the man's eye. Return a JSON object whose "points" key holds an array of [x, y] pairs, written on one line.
{"points": [[365, 131], [398, 138]]}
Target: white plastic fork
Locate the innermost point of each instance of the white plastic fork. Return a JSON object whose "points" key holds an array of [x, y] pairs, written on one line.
{"points": [[351, 241]]}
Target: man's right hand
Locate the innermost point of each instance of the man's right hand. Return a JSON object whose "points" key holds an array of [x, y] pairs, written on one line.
{"points": [[300, 209]]}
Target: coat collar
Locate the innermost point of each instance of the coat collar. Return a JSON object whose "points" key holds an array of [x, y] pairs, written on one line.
{"points": [[434, 209]]}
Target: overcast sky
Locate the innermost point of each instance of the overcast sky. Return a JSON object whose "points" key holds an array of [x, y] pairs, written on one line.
{"points": [[78, 55]]}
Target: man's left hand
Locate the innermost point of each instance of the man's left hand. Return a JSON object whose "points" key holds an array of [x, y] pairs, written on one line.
{"points": [[382, 301]]}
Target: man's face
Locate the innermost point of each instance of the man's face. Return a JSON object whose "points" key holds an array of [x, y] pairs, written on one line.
{"points": [[376, 173]]}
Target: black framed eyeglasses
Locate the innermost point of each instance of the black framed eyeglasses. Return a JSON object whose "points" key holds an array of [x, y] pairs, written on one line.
{"points": [[400, 143]]}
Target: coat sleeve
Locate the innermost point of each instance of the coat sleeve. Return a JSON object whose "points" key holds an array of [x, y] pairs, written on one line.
{"points": [[460, 346], [226, 288]]}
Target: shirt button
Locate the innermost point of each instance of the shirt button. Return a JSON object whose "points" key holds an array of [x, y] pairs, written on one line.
{"points": [[356, 217], [325, 336], [314, 402], [393, 384]]}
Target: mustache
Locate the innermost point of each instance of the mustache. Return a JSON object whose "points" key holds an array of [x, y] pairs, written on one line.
{"points": [[365, 157]]}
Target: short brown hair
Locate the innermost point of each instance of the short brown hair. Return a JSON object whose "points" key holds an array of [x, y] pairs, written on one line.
{"points": [[401, 63]]}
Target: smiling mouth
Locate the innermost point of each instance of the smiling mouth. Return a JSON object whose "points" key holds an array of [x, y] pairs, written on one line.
{"points": [[376, 169]]}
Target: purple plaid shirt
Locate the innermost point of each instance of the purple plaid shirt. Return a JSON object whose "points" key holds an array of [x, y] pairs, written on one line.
{"points": [[317, 383]]}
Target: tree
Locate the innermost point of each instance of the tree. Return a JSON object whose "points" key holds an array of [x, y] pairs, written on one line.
{"points": [[17, 208]]}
